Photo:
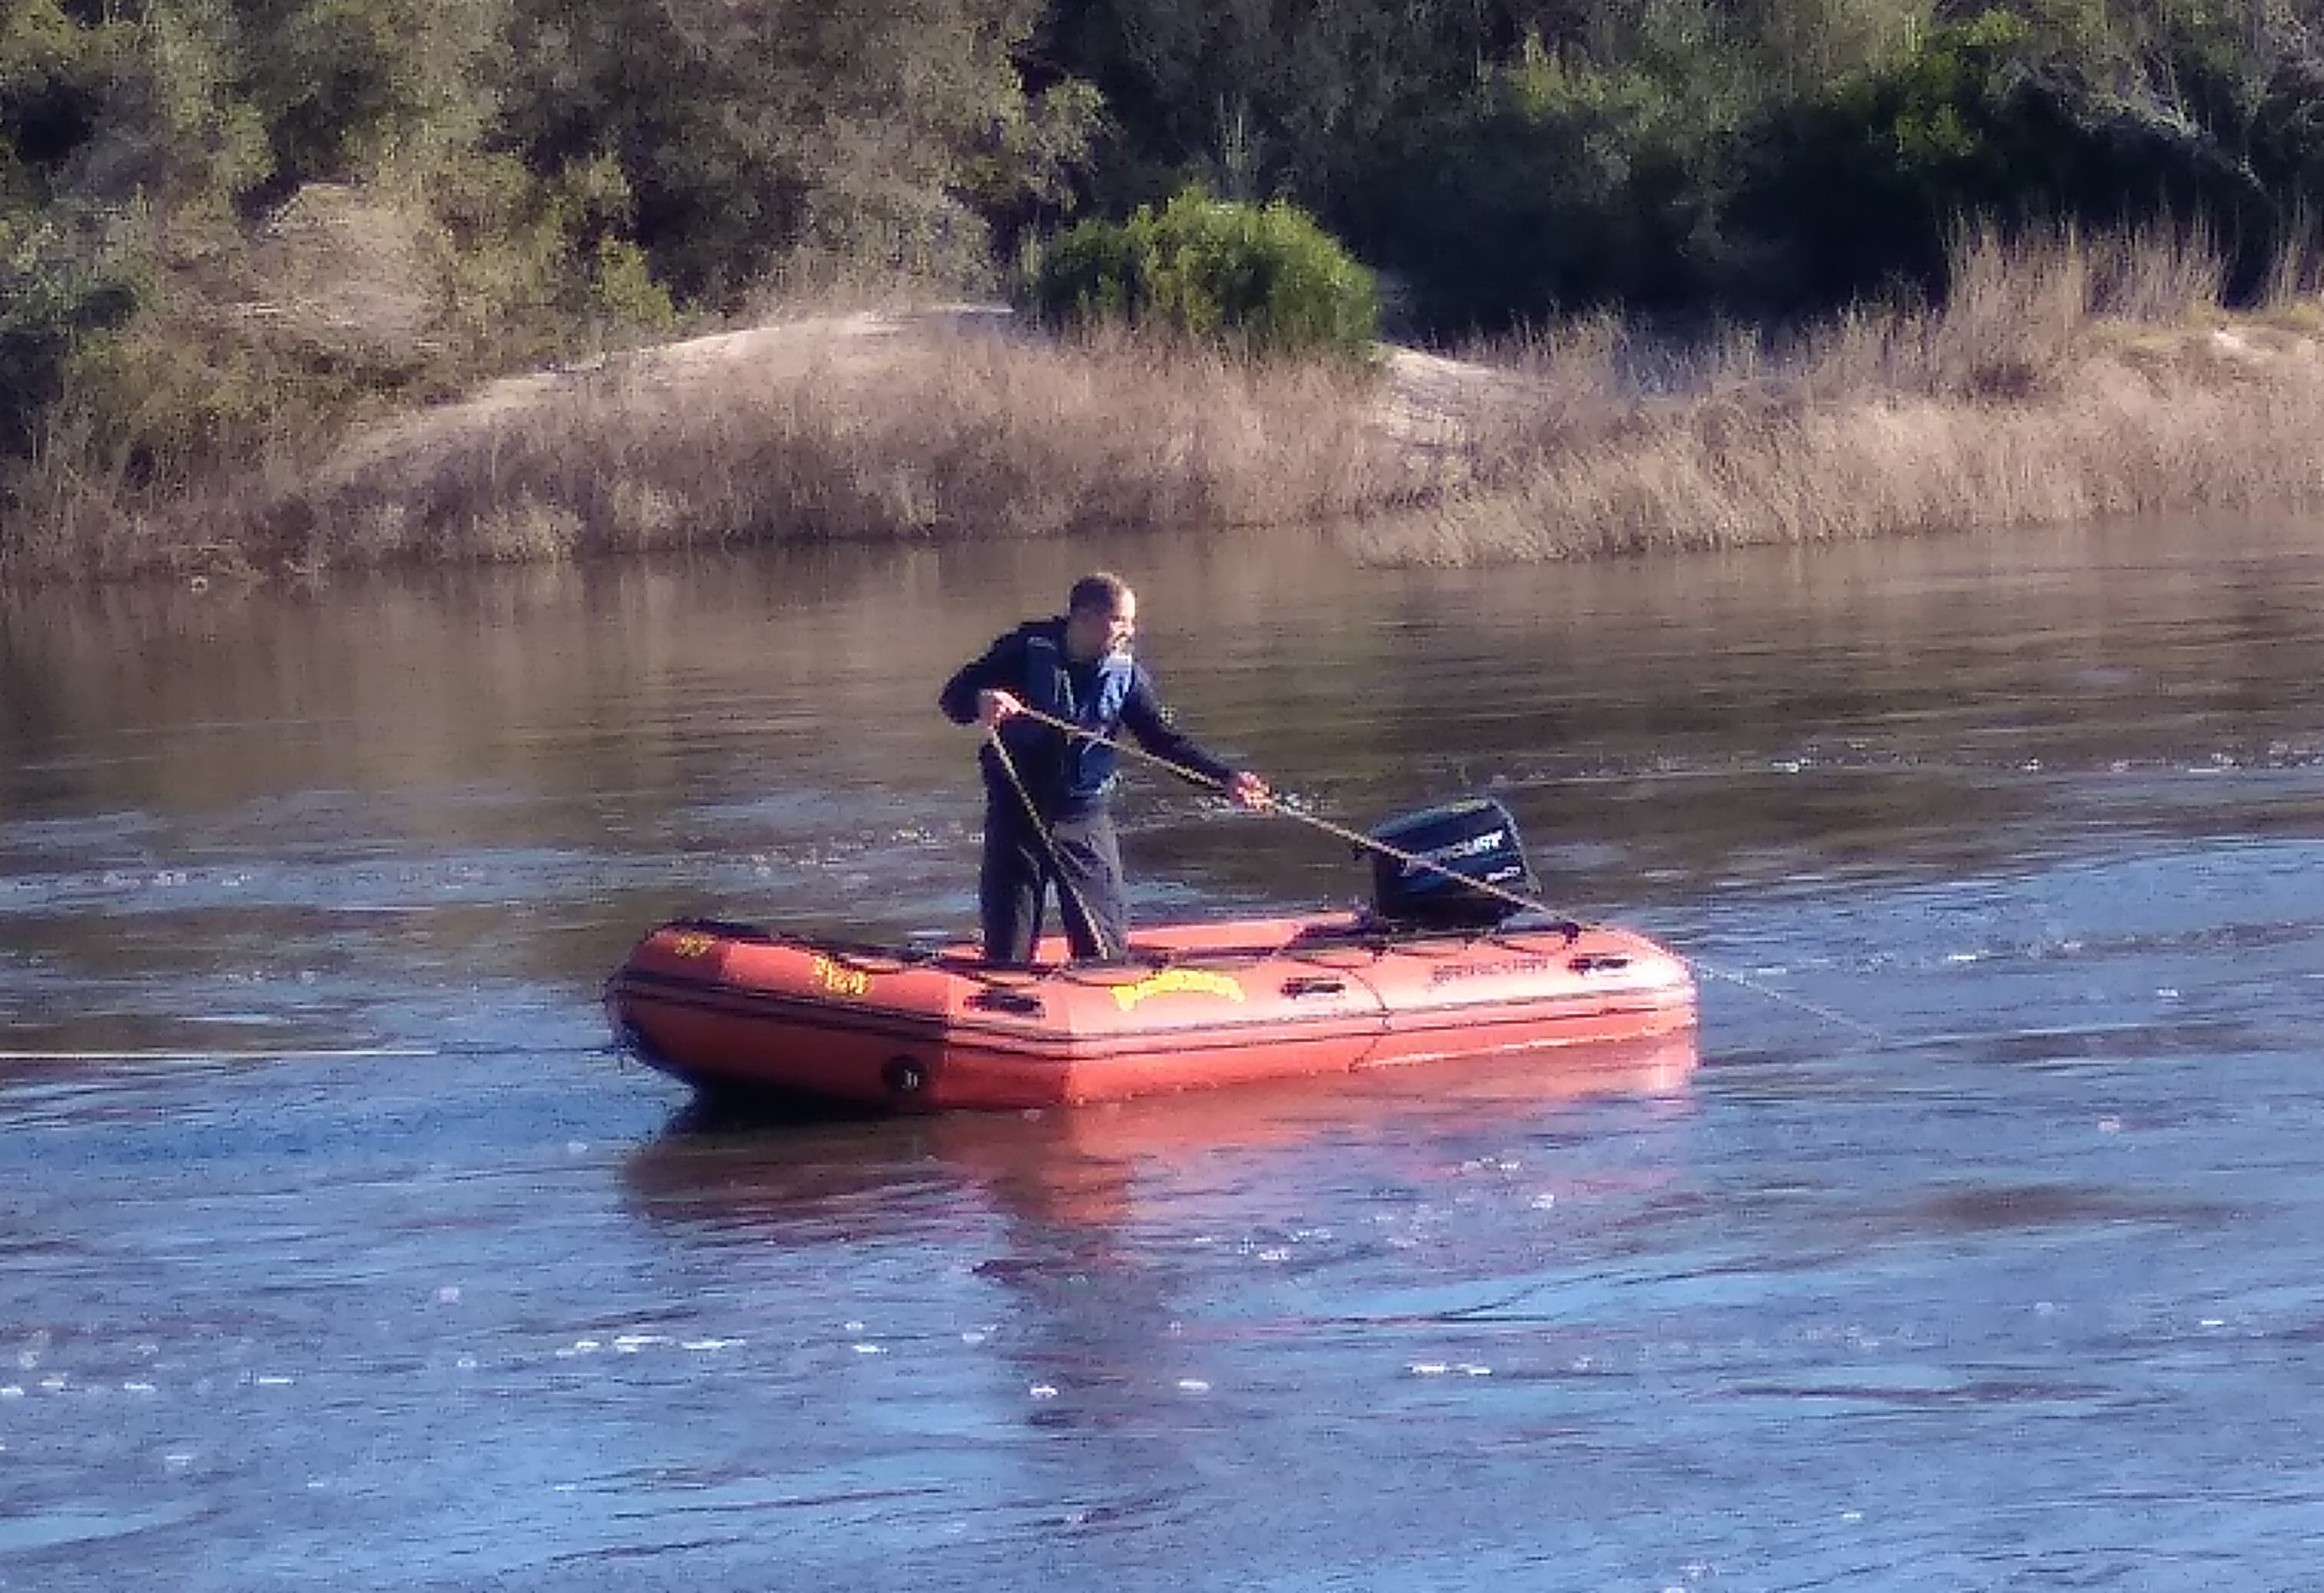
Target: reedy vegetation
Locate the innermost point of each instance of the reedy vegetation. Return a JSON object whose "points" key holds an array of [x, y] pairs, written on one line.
{"points": [[2063, 378], [236, 233]]}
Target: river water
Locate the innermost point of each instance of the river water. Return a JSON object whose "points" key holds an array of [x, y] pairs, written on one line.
{"points": [[1976, 1245]]}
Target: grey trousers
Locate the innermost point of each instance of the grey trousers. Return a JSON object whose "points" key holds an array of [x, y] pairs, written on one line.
{"points": [[1082, 857]]}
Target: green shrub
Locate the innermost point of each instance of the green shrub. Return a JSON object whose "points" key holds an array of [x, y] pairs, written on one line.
{"points": [[1260, 278], [56, 290]]}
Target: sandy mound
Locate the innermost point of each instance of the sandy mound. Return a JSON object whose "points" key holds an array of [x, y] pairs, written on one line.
{"points": [[1427, 407]]}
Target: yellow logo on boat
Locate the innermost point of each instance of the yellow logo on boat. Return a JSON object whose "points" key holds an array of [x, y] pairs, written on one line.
{"points": [[839, 979], [691, 944], [1177, 981]]}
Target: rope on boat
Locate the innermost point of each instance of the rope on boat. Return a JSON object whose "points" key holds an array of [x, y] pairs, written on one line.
{"points": [[1357, 838], [286, 1054], [1571, 925], [290, 1053], [1073, 901]]}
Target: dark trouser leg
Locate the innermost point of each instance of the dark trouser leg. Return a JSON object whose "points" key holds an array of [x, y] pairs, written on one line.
{"points": [[1090, 885], [1010, 883]]}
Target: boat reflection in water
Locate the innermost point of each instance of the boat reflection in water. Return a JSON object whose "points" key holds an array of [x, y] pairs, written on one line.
{"points": [[803, 1173], [1139, 1282]]}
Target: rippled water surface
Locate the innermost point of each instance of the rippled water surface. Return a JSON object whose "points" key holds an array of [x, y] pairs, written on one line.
{"points": [[1975, 1246]]}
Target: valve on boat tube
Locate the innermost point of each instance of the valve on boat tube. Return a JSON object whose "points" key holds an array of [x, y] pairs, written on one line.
{"points": [[904, 1075], [1444, 849]]}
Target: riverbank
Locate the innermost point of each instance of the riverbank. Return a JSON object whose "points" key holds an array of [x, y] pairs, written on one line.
{"points": [[2063, 380], [2063, 383]]}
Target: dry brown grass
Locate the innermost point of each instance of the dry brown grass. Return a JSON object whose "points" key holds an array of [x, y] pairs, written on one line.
{"points": [[2066, 377], [855, 427]]}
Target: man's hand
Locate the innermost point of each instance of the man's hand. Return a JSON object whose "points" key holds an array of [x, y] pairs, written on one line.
{"points": [[1250, 791], [993, 706]]}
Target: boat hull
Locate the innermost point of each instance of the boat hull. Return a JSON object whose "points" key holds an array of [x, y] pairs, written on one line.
{"points": [[730, 1007]]}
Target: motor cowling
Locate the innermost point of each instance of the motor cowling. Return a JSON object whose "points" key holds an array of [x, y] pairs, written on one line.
{"points": [[1444, 850]]}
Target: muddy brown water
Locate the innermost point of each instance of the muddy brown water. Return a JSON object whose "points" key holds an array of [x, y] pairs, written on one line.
{"points": [[338, 1250]]}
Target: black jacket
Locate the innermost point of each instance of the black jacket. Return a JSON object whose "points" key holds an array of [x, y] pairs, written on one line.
{"points": [[1068, 777]]}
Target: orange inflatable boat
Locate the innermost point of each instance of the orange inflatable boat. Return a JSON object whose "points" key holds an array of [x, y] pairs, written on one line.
{"points": [[729, 1007]]}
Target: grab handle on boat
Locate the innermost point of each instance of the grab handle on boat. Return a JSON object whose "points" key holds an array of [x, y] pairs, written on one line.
{"points": [[1308, 984], [1008, 1001]]}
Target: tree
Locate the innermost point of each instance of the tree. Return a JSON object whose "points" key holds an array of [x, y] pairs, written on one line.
{"points": [[56, 288], [757, 131]]}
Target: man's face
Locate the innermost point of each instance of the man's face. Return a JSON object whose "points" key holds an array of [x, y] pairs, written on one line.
{"points": [[1095, 632]]}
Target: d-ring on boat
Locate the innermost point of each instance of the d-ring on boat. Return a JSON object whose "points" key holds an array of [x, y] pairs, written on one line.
{"points": [[1439, 970]]}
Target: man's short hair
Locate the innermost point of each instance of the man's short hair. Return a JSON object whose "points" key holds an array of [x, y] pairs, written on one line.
{"points": [[1098, 593]]}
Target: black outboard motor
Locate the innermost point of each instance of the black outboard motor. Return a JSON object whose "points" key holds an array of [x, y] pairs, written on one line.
{"points": [[1474, 839]]}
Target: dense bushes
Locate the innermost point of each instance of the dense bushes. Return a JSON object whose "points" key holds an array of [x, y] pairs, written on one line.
{"points": [[54, 291], [333, 205], [1508, 161], [1553, 184], [1262, 278], [326, 207], [1861, 184], [62, 276]]}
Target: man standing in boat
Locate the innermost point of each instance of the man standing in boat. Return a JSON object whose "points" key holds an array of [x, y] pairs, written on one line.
{"points": [[1045, 789]]}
